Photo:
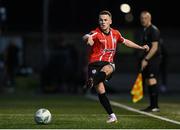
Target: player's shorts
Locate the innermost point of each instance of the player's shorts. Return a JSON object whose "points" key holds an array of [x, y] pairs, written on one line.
{"points": [[95, 67], [152, 69]]}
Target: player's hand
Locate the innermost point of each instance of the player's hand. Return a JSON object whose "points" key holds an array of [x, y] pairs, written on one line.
{"points": [[146, 48], [90, 40], [144, 63]]}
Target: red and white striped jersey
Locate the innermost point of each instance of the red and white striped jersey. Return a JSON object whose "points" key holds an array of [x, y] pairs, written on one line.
{"points": [[104, 46]]}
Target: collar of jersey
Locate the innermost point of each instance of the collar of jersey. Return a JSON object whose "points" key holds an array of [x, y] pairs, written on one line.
{"points": [[104, 32]]}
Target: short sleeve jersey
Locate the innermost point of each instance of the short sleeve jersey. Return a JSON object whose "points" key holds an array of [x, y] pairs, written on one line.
{"points": [[104, 46]]}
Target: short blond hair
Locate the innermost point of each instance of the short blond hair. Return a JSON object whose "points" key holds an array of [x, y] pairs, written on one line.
{"points": [[105, 12]]}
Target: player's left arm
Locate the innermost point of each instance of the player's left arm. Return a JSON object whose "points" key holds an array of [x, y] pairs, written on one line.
{"points": [[131, 44]]}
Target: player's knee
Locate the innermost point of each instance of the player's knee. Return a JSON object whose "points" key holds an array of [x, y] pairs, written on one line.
{"points": [[107, 69], [152, 81], [100, 88]]}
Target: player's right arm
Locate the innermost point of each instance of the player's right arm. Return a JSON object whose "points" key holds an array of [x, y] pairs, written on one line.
{"points": [[89, 38]]}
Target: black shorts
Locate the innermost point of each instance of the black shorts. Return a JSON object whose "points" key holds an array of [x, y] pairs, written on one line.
{"points": [[152, 69], [95, 67]]}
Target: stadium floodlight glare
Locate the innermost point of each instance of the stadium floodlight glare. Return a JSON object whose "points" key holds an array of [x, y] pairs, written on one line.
{"points": [[125, 8]]}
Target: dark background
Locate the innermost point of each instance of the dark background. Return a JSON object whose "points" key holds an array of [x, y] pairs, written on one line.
{"points": [[55, 57], [81, 15]]}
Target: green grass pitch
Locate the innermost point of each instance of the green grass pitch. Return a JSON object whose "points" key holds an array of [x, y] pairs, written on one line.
{"points": [[79, 112]]}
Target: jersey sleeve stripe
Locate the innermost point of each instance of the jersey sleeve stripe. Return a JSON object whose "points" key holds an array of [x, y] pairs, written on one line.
{"points": [[93, 34]]}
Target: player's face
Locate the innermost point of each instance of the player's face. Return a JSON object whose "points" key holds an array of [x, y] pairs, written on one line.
{"points": [[105, 22], [145, 20]]}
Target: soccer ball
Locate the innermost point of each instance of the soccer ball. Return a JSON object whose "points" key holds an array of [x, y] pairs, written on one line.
{"points": [[42, 116]]}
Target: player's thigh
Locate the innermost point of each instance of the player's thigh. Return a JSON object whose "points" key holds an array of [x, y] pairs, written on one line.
{"points": [[94, 68], [108, 69]]}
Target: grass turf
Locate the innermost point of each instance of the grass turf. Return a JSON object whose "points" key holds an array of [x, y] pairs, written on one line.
{"points": [[79, 112]]}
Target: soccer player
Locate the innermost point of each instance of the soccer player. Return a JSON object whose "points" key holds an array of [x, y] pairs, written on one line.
{"points": [[151, 60], [103, 41]]}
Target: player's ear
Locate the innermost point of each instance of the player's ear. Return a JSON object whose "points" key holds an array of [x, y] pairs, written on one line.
{"points": [[110, 21]]}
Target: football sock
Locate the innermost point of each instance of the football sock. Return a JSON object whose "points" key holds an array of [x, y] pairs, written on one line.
{"points": [[99, 77], [105, 103], [153, 93]]}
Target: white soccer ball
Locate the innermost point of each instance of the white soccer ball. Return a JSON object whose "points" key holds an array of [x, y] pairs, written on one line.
{"points": [[42, 116]]}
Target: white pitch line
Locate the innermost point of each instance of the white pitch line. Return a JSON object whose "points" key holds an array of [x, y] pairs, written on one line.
{"points": [[66, 115], [137, 111]]}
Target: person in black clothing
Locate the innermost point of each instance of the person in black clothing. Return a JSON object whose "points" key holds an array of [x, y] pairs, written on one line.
{"points": [[150, 60]]}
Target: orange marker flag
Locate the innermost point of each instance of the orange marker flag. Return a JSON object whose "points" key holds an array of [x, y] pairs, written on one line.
{"points": [[137, 90]]}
